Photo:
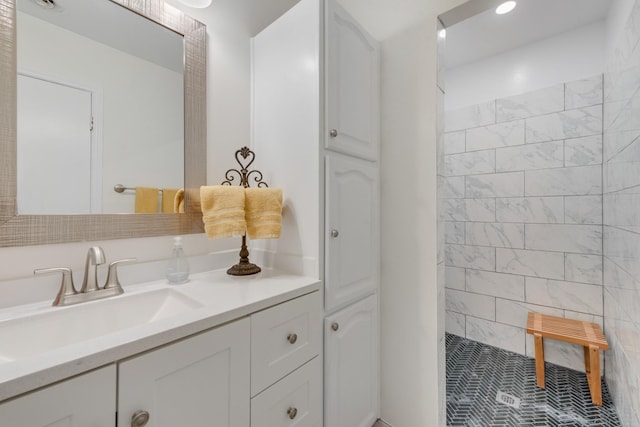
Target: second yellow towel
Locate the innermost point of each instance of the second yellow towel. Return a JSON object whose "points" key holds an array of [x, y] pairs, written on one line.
{"points": [[223, 210], [263, 212], [146, 200]]}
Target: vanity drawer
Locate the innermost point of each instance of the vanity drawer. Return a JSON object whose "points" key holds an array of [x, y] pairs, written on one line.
{"points": [[294, 401], [283, 338]]}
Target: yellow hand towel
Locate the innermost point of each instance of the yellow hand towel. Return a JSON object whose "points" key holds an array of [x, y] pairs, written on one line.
{"points": [[168, 198], [178, 201], [223, 210], [146, 200], [263, 212]]}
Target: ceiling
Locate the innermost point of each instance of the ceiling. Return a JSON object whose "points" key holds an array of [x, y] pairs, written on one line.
{"points": [[488, 34]]}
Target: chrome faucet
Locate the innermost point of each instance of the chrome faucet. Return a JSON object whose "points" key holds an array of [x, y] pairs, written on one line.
{"points": [[90, 290], [95, 257]]}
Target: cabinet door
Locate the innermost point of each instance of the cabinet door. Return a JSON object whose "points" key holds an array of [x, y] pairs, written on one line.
{"points": [[351, 365], [88, 400], [351, 231], [353, 86], [200, 381]]}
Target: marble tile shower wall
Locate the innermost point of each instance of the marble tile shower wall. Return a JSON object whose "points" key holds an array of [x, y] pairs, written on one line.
{"points": [[523, 211], [622, 220]]}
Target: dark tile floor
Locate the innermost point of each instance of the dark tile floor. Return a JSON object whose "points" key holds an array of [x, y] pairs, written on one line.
{"points": [[476, 372]]}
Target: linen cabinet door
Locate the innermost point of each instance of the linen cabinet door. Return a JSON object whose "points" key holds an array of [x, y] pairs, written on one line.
{"points": [[351, 365], [88, 400], [200, 381], [353, 86], [351, 230]]}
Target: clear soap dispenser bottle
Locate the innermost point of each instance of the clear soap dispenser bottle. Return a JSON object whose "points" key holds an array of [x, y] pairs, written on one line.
{"points": [[177, 266]]}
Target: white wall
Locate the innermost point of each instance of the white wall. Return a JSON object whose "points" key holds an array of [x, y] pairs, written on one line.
{"points": [[569, 56], [412, 348], [141, 104], [286, 126]]}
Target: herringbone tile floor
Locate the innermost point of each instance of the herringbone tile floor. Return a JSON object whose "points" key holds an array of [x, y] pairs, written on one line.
{"points": [[476, 372]]}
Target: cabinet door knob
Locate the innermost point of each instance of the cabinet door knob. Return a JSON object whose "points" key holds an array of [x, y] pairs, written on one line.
{"points": [[292, 412], [335, 326], [333, 133], [292, 338], [335, 233], [139, 419]]}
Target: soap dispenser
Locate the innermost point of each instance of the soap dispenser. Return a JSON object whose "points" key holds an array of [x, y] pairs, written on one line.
{"points": [[177, 266]]}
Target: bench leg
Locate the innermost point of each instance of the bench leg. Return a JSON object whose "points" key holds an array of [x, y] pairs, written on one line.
{"points": [[539, 347], [592, 366]]}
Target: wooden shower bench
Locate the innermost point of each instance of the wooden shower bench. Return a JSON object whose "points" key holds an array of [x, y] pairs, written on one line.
{"points": [[587, 334]]}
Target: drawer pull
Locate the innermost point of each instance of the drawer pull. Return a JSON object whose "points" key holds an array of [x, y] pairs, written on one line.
{"points": [[335, 326], [333, 133], [292, 338], [139, 419], [292, 412]]}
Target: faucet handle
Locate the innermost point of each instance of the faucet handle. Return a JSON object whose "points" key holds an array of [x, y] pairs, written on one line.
{"points": [[112, 275], [66, 286]]}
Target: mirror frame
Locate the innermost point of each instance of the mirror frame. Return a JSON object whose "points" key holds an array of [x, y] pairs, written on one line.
{"points": [[23, 230]]}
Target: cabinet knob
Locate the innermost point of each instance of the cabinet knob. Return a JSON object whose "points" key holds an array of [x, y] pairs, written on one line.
{"points": [[335, 326], [333, 133], [139, 419], [335, 233], [292, 338], [292, 412]]}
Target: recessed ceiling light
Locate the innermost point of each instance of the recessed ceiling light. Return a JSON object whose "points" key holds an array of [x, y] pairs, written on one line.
{"points": [[505, 7], [198, 4]]}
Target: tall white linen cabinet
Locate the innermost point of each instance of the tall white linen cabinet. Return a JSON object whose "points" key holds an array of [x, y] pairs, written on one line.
{"points": [[315, 123]]}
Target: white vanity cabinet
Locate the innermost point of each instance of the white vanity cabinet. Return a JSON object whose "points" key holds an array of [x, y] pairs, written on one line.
{"points": [[200, 381], [88, 400], [286, 372]]}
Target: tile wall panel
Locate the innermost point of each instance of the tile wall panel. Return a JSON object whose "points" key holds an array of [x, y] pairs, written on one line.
{"points": [[524, 209]]}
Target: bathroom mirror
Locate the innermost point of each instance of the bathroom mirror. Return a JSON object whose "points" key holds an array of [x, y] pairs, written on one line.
{"points": [[17, 229]]}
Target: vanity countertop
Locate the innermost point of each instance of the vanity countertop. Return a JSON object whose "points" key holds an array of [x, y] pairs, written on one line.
{"points": [[221, 298]]}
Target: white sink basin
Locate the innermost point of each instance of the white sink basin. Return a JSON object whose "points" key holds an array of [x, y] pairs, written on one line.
{"points": [[60, 326]]}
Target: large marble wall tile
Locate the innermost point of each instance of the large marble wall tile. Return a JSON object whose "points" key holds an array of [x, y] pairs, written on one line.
{"points": [[530, 209], [583, 151], [509, 184], [470, 257], [566, 295], [583, 93], [515, 313], [583, 209], [583, 268], [628, 153], [616, 277], [575, 181], [452, 187], [543, 101], [623, 381], [470, 163], [455, 323], [620, 176], [530, 263], [455, 278], [566, 124], [471, 304], [614, 142], [496, 334], [621, 116], [582, 239], [496, 284], [531, 156], [454, 142], [584, 317], [622, 247], [470, 117], [454, 232], [469, 210], [495, 234], [626, 305], [494, 136]]}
